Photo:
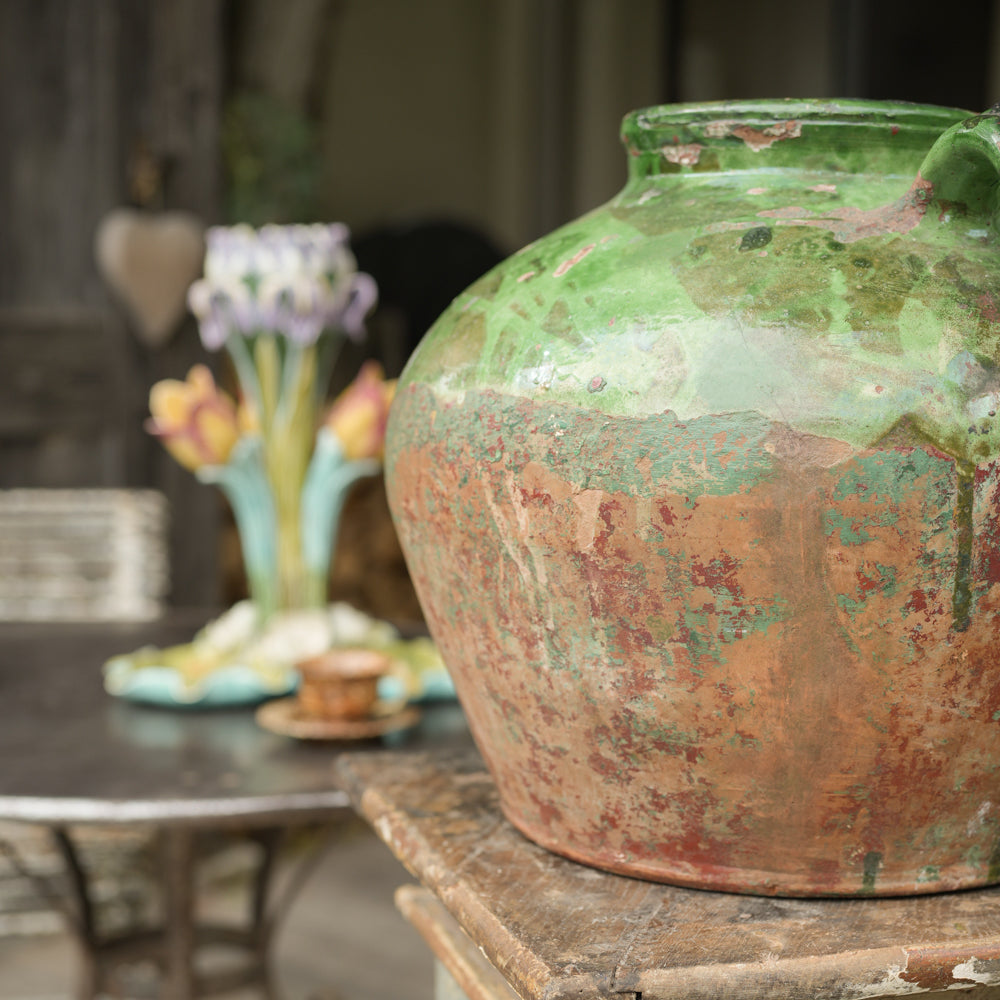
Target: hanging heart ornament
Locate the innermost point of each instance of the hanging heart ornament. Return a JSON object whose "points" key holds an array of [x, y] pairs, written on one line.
{"points": [[149, 259]]}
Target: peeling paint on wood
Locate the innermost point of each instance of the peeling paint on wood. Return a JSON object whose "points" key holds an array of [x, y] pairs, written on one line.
{"points": [[561, 931]]}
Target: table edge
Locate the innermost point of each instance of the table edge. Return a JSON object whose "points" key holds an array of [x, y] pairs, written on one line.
{"points": [[241, 809]]}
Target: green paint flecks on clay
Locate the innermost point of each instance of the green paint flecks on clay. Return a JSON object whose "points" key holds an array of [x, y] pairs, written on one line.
{"points": [[872, 865], [962, 596]]}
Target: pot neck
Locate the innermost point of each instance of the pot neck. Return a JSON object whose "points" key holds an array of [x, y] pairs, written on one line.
{"points": [[862, 137]]}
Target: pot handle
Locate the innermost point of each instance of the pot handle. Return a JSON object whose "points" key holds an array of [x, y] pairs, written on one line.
{"points": [[963, 167]]}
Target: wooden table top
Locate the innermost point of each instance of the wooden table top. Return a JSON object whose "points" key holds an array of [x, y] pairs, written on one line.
{"points": [[559, 930], [72, 753]]}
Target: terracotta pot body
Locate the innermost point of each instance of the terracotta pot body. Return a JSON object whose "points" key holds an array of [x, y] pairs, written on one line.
{"points": [[700, 497]]}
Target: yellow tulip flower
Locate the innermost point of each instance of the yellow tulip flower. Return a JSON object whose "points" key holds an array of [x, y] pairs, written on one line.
{"points": [[359, 414], [196, 422]]}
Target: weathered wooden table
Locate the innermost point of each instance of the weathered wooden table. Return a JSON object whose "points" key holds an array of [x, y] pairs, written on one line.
{"points": [[555, 930], [72, 755]]}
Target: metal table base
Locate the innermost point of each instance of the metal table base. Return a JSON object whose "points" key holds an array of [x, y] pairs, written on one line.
{"points": [[172, 948]]}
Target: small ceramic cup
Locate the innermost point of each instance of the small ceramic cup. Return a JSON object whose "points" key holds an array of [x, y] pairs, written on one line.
{"points": [[341, 683]]}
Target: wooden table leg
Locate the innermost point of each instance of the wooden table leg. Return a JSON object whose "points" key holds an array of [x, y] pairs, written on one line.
{"points": [[178, 914]]}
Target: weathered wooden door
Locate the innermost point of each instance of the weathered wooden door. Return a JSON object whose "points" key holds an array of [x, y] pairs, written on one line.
{"points": [[103, 103]]}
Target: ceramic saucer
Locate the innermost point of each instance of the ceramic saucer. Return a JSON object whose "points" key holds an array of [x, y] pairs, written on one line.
{"points": [[285, 716]]}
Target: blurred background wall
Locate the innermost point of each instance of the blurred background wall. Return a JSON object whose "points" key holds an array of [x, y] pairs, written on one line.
{"points": [[446, 133]]}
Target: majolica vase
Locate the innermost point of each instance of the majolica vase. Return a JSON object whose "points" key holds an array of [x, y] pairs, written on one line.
{"points": [[700, 495]]}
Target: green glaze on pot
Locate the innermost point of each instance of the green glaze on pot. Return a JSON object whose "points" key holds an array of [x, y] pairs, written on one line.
{"points": [[781, 279], [699, 494]]}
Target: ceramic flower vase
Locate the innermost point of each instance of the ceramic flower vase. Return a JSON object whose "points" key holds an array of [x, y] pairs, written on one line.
{"points": [[700, 494], [280, 300]]}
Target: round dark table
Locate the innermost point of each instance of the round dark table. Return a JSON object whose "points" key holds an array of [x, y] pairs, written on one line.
{"points": [[71, 754]]}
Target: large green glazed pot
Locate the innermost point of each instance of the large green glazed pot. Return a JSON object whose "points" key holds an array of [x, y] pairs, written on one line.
{"points": [[700, 495]]}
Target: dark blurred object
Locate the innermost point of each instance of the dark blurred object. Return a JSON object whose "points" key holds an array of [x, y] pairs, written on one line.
{"points": [[419, 269], [906, 50], [912, 50]]}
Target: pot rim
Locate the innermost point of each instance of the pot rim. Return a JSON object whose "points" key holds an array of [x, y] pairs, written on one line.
{"points": [[656, 137]]}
